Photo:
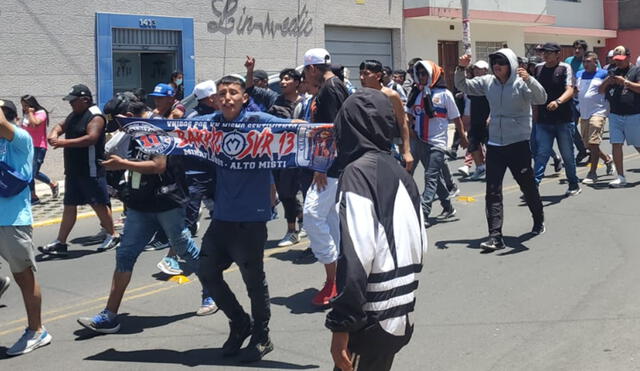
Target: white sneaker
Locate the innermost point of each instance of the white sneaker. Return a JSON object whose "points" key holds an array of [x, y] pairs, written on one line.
{"points": [[590, 178], [619, 182], [30, 340], [291, 238], [110, 242], [464, 170], [302, 233]]}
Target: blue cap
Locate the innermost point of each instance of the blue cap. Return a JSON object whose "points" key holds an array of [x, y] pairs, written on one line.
{"points": [[162, 90]]}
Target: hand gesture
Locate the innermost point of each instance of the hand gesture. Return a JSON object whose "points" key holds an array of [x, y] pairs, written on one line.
{"points": [[552, 106], [523, 74], [340, 352], [250, 63], [320, 180], [408, 161], [113, 163], [31, 110], [464, 61]]}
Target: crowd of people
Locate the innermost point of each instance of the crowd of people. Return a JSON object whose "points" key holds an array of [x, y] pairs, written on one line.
{"points": [[506, 111]]}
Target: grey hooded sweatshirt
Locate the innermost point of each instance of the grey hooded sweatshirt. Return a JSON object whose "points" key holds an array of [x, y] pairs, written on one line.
{"points": [[510, 102]]}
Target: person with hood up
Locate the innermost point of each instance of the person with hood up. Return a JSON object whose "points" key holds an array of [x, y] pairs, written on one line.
{"points": [[511, 91], [382, 239], [432, 108]]}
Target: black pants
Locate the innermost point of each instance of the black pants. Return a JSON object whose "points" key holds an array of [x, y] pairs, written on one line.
{"points": [[243, 243], [288, 183], [516, 157], [373, 361]]}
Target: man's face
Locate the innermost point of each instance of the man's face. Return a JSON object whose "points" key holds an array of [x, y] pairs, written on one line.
{"points": [[578, 51], [501, 71], [231, 98], [261, 83], [163, 103], [589, 64], [398, 78], [79, 105], [386, 78], [550, 57], [622, 64], [370, 79], [289, 85], [423, 75]]}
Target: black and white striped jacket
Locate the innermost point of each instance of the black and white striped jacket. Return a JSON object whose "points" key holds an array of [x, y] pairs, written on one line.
{"points": [[382, 243]]}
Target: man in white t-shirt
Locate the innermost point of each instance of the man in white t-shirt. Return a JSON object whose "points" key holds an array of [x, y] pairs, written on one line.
{"points": [[432, 110], [594, 110]]}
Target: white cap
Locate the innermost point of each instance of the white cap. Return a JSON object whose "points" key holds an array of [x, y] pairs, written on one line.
{"points": [[481, 64], [610, 54], [317, 56], [205, 89]]}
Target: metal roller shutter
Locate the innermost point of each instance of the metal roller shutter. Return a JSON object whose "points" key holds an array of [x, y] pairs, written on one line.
{"points": [[349, 46]]}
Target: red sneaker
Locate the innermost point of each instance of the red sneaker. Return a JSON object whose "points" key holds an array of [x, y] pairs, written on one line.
{"points": [[327, 293]]}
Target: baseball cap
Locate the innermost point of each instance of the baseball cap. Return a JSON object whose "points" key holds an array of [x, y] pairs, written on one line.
{"points": [[260, 75], [162, 90], [620, 53], [549, 47], [8, 105], [205, 89], [317, 56], [78, 91], [481, 64]]}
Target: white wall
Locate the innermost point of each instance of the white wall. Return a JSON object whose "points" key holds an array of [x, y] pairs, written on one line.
{"points": [[585, 14], [422, 36], [516, 6]]}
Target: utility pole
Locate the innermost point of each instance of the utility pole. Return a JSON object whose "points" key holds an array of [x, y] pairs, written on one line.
{"points": [[466, 27]]}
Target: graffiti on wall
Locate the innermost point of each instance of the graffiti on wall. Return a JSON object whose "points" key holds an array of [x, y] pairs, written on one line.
{"points": [[229, 17]]}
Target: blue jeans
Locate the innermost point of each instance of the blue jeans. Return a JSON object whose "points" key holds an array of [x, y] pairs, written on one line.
{"points": [[38, 159], [544, 136], [434, 184], [201, 188], [139, 227]]}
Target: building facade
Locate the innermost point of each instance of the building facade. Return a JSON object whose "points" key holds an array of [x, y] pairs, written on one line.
{"points": [[121, 45], [433, 28], [623, 16]]}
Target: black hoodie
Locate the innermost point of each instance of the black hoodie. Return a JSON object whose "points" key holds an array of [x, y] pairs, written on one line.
{"points": [[382, 236]]}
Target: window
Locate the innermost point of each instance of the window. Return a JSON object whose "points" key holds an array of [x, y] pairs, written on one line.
{"points": [[484, 48]]}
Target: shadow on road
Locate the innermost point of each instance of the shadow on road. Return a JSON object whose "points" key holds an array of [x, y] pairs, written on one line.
{"points": [[299, 303], [72, 254], [190, 358], [135, 324], [302, 257], [514, 245]]}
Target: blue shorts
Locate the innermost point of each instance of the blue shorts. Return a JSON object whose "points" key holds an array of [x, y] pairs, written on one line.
{"points": [[85, 190], [623, 127]]}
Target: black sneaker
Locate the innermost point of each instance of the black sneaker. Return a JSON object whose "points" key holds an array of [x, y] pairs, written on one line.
{"points": [[557, 165], [538, 229], [573, 190], [454, 191], [493, 243], [4, 284], [581, 156], [446, 214], [452, 154], [54, 248], [240, 330], [256, 349]]}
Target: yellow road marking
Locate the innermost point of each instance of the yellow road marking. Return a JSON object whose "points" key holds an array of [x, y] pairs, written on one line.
{"points": [[267, 255], [89, 214], [128, 296]]}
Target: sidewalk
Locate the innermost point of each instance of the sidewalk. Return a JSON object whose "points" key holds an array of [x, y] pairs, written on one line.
{"points": [[49, 210]]}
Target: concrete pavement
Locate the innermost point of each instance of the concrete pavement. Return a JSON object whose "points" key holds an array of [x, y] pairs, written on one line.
{"points": [[566, 300]]}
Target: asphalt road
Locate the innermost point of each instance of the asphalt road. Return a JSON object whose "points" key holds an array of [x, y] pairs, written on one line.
{"points": [[565, 300]]}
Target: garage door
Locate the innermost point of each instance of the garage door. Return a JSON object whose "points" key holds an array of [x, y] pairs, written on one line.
{"points": [[349, 46]]}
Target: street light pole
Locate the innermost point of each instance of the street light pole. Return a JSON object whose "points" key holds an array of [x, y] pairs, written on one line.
{"points": [[466, 27]]}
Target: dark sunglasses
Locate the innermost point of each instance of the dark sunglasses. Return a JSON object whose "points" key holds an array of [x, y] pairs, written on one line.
{"points": [[500, 62]]}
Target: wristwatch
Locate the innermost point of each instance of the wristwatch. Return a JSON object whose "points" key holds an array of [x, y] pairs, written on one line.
{"points": [[558, 101]]}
